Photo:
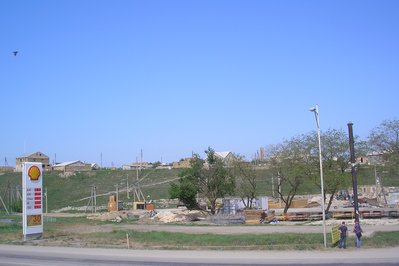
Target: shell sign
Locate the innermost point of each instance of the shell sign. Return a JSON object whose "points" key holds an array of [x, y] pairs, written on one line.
{"points": [[32, 199], [34, 173]]}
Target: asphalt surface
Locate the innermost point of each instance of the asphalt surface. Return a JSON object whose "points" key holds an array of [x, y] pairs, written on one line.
{"points": [[38, 255]]}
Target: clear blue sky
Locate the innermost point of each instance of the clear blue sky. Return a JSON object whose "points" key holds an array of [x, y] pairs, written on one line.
{"points": [[173, 77]]}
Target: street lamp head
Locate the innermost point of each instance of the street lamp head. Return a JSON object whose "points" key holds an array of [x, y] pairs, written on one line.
{"points": [[315, 109]]}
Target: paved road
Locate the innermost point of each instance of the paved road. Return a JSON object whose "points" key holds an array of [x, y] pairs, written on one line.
{"points": [[38, 255]]}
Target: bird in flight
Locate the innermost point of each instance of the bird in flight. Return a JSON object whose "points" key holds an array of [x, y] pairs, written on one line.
{"points": [[15, 53]]}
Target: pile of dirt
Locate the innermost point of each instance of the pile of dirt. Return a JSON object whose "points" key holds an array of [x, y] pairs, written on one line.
{"points": [[174, 216], [116, 216]]}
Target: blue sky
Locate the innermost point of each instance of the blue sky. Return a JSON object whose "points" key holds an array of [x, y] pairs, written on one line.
{"points": [[174, 77]]}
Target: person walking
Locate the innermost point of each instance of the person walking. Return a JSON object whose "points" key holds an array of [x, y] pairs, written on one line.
{"points": [[343, 232], [358, 232]]}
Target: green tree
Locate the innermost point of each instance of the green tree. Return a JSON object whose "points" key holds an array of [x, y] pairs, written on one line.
{"points": [[335, 155], [208, 177], [245, 177], [384, 139], [156, 164], [289, 161], [335, 159], [186, 192]]}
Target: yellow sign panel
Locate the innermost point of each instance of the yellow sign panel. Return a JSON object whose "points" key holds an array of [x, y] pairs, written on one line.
{"points": [[335, 234], [34, 220], [34, 173]]}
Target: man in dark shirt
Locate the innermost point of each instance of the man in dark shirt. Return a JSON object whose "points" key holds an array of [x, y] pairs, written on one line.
{"points": [[343, 229], [358, 231]]}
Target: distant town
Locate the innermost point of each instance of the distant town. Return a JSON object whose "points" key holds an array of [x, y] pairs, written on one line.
{"points": [[78, 165]]}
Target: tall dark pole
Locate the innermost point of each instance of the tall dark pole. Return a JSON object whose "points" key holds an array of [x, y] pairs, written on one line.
{"points": [[354, 177]]}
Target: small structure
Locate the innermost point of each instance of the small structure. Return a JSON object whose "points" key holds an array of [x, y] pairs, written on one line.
{"points": [[375, 158], [6, 169], [393, 198], [112, 204], [183, 163], [73, 166], [235, 205], [227, 157], [143, 205], [95, 166], [133, 166], [37, 157]]}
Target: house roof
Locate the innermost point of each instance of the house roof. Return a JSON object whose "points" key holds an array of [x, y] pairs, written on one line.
{"points": [[222, 154], [138, 164], [67, 163], [30, 154]]}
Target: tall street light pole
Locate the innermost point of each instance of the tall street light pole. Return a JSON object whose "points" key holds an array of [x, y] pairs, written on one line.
{"points": [[315, 110], [353, 170]]}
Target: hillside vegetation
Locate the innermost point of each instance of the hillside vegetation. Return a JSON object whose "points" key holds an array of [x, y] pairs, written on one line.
{"points": [[75, 190]]}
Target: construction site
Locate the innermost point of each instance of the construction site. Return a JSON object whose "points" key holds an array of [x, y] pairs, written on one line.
{"points": [[374, 203], [126, 201], [125, 209]]}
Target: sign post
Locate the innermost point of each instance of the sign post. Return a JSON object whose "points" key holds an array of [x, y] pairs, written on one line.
{"points": [[32, 201], [335, 234]]}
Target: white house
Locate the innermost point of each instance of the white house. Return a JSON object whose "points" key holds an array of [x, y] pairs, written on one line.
{"points": [[72, 166], [227, 157]]}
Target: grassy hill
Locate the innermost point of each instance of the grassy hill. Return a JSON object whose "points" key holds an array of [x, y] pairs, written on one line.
{"points": [[75, 190]]}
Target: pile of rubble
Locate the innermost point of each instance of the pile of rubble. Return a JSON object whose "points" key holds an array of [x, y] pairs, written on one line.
{"points": [[116, 216], [163, 216], [173, 216]]}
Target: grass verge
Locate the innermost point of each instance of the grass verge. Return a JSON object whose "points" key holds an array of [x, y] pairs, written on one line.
{"points": [[55, 235]]}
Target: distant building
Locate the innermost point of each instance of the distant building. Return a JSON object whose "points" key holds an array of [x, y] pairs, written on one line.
{"points": [[95, 166], [375, 158], [133, 166], [6, 169], [262, 154], [183, 163], [73, 166], [362, 160], [38, 157], [227, 157]]}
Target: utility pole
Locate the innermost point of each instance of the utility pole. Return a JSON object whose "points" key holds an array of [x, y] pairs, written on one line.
{"points": [[273, 186], [95, 198], [141, 159], [117, 197], [45, 196], [353, 170], [137, 168], [127, 186]]}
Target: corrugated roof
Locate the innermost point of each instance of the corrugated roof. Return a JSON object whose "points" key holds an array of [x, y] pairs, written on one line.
{"points": [[66, 163]]}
